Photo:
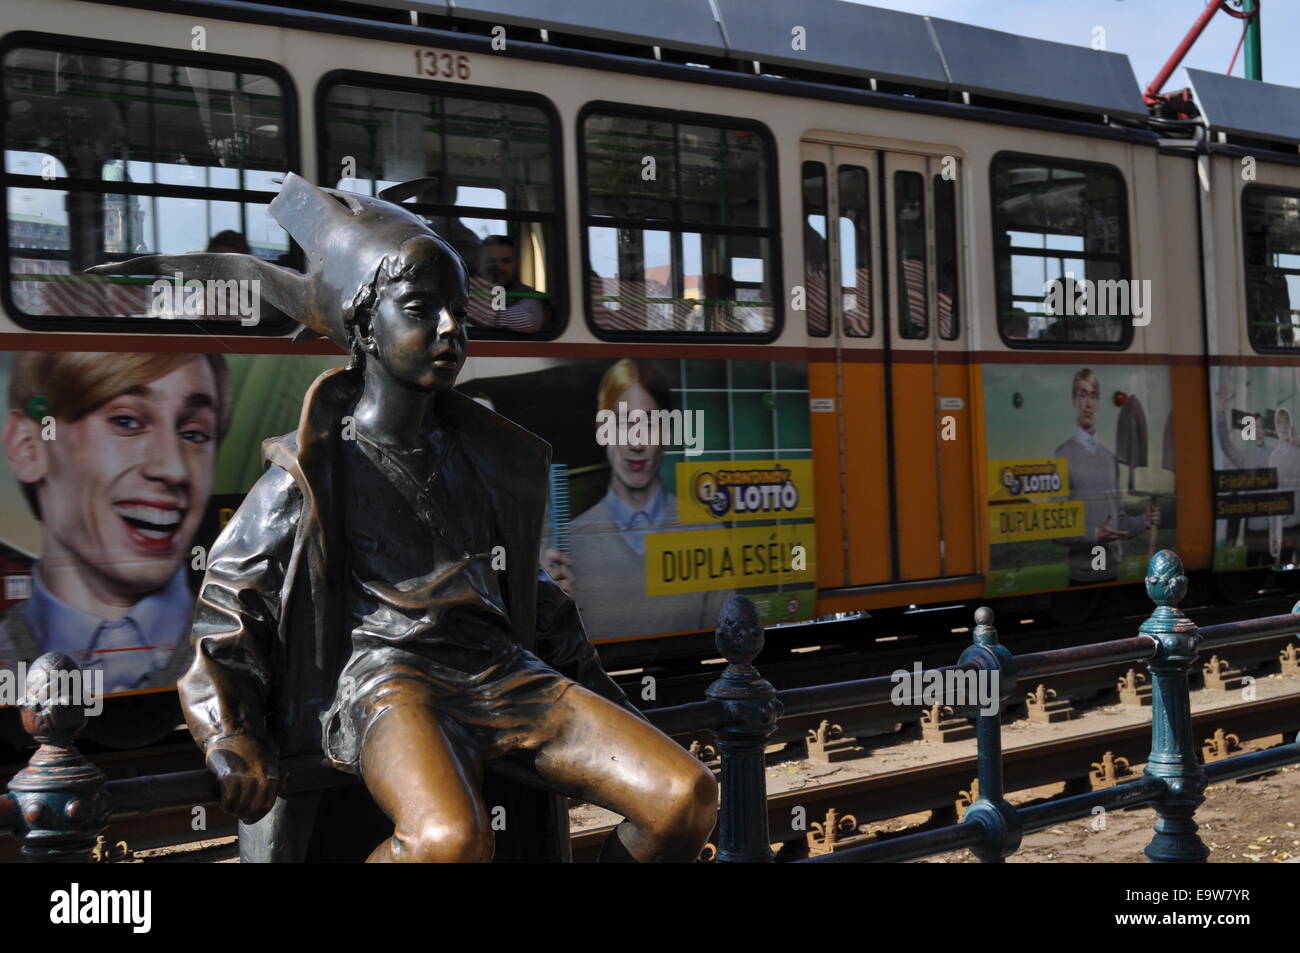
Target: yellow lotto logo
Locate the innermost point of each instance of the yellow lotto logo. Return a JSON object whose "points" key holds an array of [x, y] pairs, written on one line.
{"points": [[745, 490], [704, 487], [750, 557], [1029, 479]]}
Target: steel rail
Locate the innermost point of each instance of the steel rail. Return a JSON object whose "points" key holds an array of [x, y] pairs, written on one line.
{"points": [[934, 786]]}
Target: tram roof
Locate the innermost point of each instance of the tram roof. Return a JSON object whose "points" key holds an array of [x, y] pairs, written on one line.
{"points": [[687, 25], [1247, 107], [839, 37], [993, 63]]}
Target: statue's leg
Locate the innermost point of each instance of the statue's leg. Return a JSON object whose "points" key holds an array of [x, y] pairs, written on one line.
{"points": [[423, 782], [589, 748]]}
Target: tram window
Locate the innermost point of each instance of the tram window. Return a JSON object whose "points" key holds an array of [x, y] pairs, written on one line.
{"points": [[679, 233], [855, 251], [945, 253], [815, 261], [491, 164], [909, 228], [108, 157], [1271, 226], [1056, 223]]}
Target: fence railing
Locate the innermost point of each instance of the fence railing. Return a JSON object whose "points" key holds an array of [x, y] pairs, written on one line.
{"points": [[60, 802]]}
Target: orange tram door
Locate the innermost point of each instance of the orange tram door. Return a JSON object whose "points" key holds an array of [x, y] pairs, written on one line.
{"points": [[889, 376]]}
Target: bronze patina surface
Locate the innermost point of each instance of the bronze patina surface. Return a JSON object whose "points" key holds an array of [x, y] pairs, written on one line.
{"points": [[377, 596]]}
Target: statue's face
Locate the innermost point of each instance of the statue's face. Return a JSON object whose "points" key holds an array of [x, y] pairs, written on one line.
{"points": [[417, 326]]}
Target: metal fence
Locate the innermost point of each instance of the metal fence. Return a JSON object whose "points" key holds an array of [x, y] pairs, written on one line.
{"points": [[60, 802]]}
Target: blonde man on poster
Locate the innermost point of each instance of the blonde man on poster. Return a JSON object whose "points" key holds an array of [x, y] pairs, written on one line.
{"points": [[605, 572], [1094, 479], [115, 455]]}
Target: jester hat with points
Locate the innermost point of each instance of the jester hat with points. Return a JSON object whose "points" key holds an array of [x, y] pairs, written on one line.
{"points": [[345, 236]]}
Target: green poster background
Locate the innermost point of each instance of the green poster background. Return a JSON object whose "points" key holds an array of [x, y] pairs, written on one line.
{"points": [[751, 410], [1029, 413], [1261, 393]]}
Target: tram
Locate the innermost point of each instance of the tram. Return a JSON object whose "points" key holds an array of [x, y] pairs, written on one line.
{"points": [[923, 329]]}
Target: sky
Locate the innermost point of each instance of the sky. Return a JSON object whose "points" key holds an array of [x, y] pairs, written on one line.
{"points": [[1147, 31]]}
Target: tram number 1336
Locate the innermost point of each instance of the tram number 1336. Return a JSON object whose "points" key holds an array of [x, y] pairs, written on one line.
{"points": [[446, 65]]}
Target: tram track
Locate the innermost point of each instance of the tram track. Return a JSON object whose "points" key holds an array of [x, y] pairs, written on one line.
{"points": [[933, 786], [1082, 687], [927, 787], [936, 785], [838, 662]]}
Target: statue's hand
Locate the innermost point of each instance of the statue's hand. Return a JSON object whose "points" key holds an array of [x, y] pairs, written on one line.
{"points": [[249, 775]]}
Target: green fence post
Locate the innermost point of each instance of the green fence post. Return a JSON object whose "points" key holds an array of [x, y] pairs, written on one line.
{"points": [[1173, 750]]}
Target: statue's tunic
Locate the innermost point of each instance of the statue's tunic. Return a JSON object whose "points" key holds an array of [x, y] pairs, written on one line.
{"points": [[274, 624], [425, 603]]}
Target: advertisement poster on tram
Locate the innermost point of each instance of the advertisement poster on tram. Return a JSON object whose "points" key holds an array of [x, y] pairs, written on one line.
{"points": [[1256, 466], [118, 473], [107, 510], [1080, 474], [674, 485]]}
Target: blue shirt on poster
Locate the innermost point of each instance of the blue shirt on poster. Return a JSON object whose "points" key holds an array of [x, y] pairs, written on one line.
{"points": [[128, 650], [632, 524]]}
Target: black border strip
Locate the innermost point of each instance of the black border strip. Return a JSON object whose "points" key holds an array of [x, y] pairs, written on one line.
{"points": [[1125, 258], [772, 231], [557, 269], [17, 180], [24, 39], [1238, 151]]}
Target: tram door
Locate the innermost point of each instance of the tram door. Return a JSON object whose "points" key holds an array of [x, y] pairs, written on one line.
{"points": [[886, 328]]}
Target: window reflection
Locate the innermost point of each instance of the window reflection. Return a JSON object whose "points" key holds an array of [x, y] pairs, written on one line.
{"points": [[815, 253], [945, 250], [679, 235], [489, 166], [855, 251], [91, 141], [909, 231], [1271, 226], [1056, 223]]}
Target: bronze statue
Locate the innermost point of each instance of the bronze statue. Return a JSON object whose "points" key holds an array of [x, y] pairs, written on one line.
{"points": [[383, 576]]}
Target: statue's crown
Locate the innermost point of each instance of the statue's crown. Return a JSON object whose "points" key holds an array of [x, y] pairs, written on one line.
{"points": [[345, 237]]}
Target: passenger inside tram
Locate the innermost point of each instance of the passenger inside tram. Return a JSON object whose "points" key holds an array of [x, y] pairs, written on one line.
{"points": [[498, 266]]}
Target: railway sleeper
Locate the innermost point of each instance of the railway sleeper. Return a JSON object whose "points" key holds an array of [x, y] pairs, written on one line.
{"points": [[856, 733]]}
